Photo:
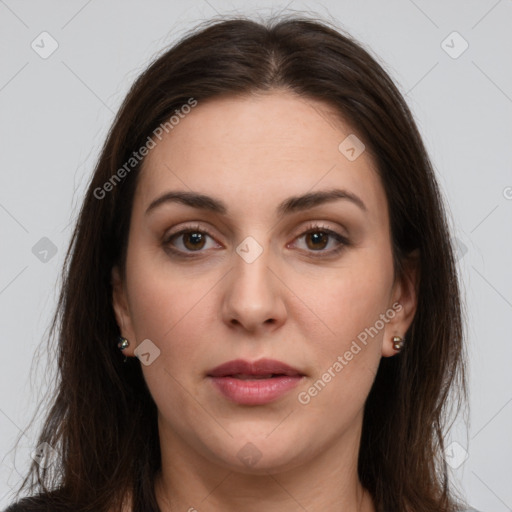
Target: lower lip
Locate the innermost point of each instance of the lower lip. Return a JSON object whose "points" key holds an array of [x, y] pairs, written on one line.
{"points": [[255, 391]]}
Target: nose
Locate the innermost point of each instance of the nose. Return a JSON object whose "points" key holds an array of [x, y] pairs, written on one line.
{"points": [[253, 298]]}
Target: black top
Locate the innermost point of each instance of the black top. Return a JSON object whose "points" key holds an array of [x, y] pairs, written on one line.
{"points": [[32, 504], [27, 505], [35, 504], [38, 503]]}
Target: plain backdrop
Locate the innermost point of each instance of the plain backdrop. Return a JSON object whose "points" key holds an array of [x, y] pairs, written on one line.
{"points": [[65, 68]]}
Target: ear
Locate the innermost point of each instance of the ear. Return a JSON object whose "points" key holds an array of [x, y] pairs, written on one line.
{"points": [[122, 310], [404, 302]]}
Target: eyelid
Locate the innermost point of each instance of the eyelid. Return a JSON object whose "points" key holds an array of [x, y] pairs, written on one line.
{"points": [[317, 226]]}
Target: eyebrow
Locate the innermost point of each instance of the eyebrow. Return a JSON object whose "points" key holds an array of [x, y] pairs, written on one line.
{"points": [[290, 205]]}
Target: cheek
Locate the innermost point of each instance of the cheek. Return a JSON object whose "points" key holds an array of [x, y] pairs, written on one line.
{"points": [[168, 308], [347, 345], [349, 300], [162, 295], [175, 308]]}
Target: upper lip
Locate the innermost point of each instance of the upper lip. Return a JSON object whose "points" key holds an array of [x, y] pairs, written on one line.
{"points": [[260, 367]]}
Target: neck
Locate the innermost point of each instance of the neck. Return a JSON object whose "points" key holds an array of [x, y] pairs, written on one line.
{"points": [[188, 482], [233, 492]]}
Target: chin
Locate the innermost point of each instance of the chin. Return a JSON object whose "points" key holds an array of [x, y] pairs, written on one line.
{"points": [[260, 455]]}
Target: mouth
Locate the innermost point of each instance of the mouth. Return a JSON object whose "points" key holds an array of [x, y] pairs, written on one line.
{"points": [[261, 369], [254, 383]]}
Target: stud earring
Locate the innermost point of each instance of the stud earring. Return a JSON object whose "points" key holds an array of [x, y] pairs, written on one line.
{"points": [[122, 344], [398, 343]]}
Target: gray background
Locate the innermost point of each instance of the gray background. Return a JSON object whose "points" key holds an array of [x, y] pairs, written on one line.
{"points": [[55, 113]]}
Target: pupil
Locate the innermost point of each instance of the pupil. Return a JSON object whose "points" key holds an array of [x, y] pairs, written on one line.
{"points": [[319, 237]]}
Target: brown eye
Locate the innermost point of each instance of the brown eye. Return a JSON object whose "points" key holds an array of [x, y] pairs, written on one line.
{"points": [[193, 240], [322, 241], [316, 240], [190, 240]]}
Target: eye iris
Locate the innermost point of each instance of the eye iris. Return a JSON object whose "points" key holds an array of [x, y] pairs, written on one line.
{"points": [[196, 239], [316, 238]]}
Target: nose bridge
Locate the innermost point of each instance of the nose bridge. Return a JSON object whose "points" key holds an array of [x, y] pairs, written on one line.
{"points": [[253, 296]]}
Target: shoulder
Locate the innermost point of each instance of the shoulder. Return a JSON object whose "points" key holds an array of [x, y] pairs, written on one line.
{"points": [[37, 503], [42, 503], [32, 504]]}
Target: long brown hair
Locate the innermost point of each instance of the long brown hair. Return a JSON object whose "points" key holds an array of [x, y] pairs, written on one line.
{"points": [[102, 419]]}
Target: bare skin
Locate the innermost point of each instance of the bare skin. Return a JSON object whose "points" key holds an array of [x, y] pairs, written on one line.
{"points": [[298, 301]]}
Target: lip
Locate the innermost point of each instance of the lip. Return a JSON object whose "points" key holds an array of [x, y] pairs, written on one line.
{"points": [[244, 382]]}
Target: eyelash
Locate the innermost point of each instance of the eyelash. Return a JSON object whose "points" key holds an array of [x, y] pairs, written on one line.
{"points": [[312, 228]]}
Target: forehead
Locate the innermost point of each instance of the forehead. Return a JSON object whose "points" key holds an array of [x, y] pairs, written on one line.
{"points": [[256, 150]]}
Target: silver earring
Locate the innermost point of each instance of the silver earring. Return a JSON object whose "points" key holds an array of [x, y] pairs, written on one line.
{"points": [[398, 343], [122, 344]]}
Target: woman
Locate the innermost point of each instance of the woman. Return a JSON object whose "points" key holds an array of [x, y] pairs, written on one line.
{"points": [[263, 240]]}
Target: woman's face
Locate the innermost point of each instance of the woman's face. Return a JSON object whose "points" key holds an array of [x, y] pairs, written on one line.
{"points": [[269, 263]]}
